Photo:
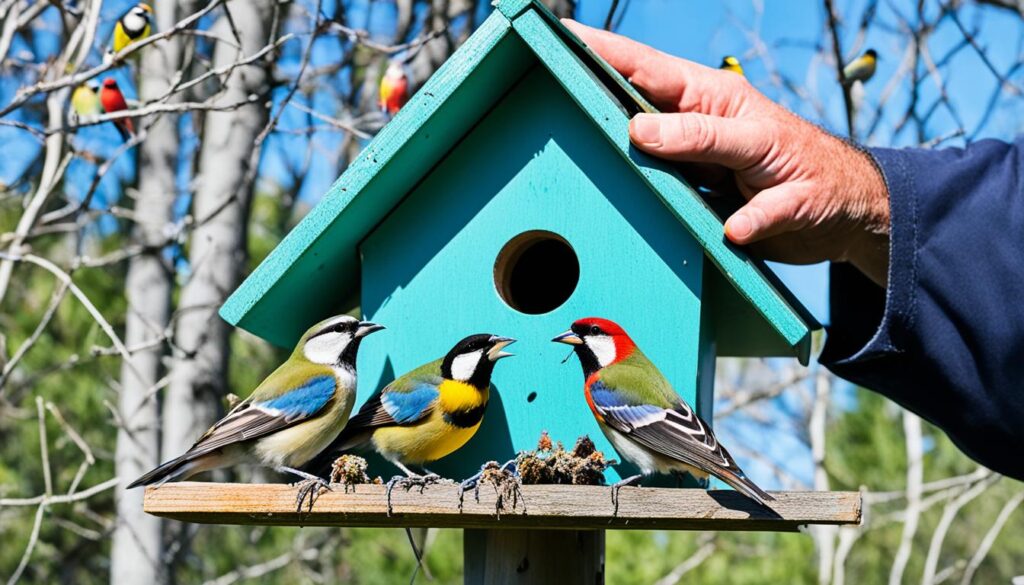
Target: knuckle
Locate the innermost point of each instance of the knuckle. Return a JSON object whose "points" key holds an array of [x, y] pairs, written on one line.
{"points": [[696, 133]]}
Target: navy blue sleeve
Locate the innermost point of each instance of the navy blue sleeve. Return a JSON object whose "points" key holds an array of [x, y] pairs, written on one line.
{"points": [[946, 338]]}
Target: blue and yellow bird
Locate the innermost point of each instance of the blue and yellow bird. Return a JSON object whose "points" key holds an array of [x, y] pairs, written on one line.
{"points": [[427, 413], [290, 417], [649, 424]]}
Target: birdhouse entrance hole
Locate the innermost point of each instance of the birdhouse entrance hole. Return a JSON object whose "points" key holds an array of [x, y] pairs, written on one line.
{"points": [[536, 272]]}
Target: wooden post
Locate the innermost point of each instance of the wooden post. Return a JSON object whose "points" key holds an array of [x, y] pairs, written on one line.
{"points": [[518, 557]]}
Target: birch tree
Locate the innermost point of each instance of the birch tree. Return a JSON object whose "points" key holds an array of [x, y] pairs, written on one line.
{"points": [[136, 551], [220, 209]]}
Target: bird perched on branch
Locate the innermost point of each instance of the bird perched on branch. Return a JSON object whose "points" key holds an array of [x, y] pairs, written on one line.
{"points": [[133, 26], [730, 63], [862, 68], [643, 417], [394, 89], [113, 101], [427, 413], [290, 417], [85, 101]]}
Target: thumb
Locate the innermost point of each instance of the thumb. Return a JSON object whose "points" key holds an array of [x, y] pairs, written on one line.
{"points": [[731, 142], [771, 212]]}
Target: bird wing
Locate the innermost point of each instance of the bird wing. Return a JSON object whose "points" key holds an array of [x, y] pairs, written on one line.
{"points": [[260, 414], [403, 402], [674, 432], [636, 407]]}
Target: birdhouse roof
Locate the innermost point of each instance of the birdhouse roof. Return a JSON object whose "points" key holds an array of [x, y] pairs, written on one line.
{"points": [[315, 270]]}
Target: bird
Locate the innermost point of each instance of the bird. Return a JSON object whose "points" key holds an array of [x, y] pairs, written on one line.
{"points": [[862, 68], [113, 101], [644, 418], [425, 414], [133, 26], [730, 63], [394, 89], [85, 101], [290, 417]]}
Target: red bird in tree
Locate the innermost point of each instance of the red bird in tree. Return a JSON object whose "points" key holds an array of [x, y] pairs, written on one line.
{"points": [[394, 89], [113, 101]]}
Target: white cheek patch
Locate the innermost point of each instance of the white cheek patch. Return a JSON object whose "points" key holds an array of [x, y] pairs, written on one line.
{"points": [[135, 21], [603, 347], [326, 348], [465, 364]]}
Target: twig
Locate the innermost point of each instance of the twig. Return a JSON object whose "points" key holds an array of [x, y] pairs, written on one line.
{"points": [[51, 310], [158, 108], [77, 292], [982, 53], [264, 568], [837, 53], [990, 537], [340, 124], [611, 15], [364, 39], [33, 538], [24, 94], [61, 499], [699, 556], [915, 479], [44, 450], [948, 515]]}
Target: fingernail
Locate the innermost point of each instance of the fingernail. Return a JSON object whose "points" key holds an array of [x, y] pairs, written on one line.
{"points": [[738, 227], [645, 130]]}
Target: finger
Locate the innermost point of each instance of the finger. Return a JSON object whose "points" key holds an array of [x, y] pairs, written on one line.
{"points": [[735, 143], [771, 212], [669, 82]]}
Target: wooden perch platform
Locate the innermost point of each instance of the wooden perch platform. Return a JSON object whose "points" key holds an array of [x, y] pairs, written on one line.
{"points": [[562, 507]]}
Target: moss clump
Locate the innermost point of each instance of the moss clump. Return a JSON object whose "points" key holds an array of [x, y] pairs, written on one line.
{"points": [[552, 463], [350, 470]]}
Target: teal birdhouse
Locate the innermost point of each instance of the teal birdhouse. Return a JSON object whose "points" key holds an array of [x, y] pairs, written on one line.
{"points": [[505, 198]]}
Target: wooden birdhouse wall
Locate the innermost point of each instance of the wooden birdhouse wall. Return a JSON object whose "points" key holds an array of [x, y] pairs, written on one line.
{"points": [[535, 162]]}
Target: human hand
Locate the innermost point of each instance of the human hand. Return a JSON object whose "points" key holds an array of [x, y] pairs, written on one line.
{"points": [[810, 196]]}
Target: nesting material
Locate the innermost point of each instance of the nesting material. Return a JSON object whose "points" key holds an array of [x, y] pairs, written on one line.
{"points": [[350, 470], [552, 463], [503, 479]]}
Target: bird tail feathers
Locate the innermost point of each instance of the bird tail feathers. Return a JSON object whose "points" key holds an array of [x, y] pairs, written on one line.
{"points": [[165, 472], [746, 487]]}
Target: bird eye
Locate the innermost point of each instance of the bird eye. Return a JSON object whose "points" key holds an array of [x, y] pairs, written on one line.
{"points": [[595, 330]]}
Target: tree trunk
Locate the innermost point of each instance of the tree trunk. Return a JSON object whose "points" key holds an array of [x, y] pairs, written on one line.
{"points": [[136, 550], [217, 251]]}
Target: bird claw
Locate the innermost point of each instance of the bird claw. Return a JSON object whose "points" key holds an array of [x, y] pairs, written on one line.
{"points": [[504, 478], [311, 488], [629, 481], [407, 482]]}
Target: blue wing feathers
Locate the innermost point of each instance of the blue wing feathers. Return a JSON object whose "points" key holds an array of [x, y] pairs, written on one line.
{"points": [[305, 400], [614, 402], [406, 407], [605, 396]]}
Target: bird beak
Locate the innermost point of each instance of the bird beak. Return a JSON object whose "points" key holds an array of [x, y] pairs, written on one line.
{"points": [[366, 328], [568, 338], [494, 354]]}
